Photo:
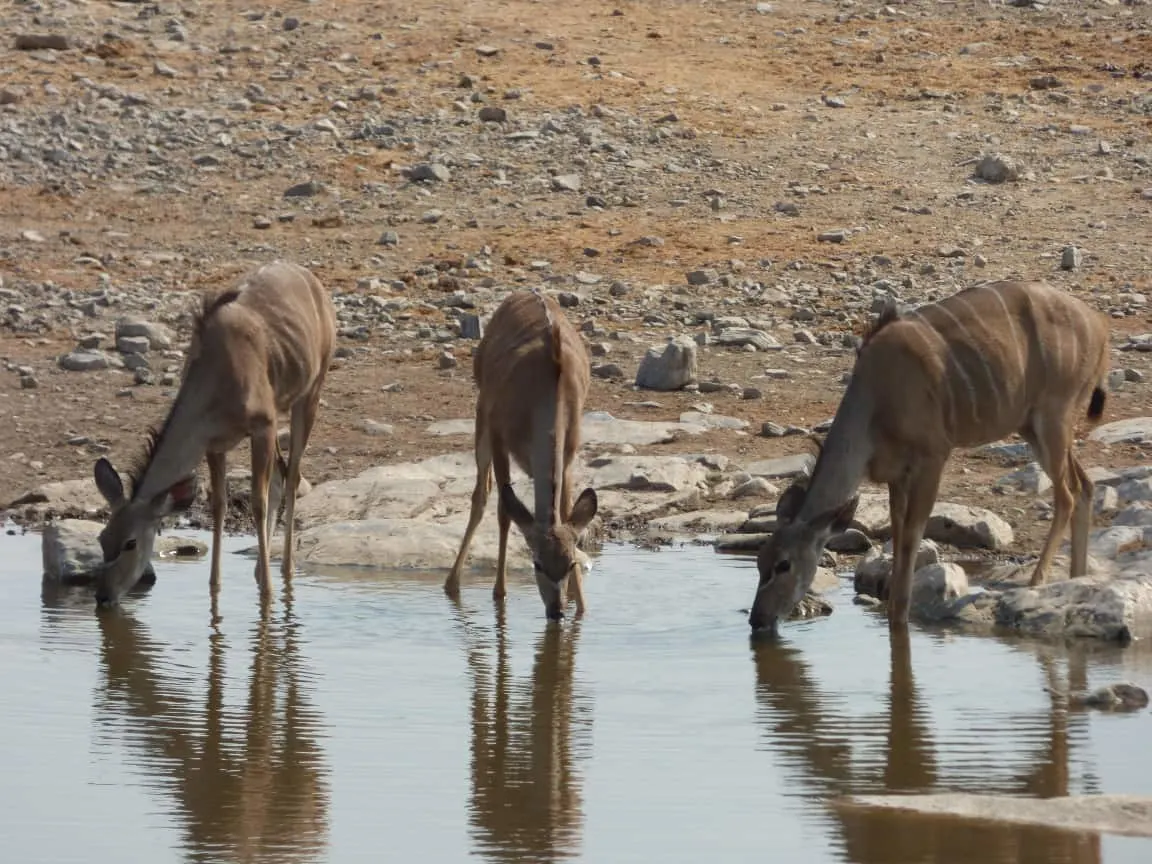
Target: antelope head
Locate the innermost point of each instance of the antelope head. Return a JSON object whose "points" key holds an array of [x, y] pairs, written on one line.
{"points": [[788, 560], [554, 547], [130, 534]]}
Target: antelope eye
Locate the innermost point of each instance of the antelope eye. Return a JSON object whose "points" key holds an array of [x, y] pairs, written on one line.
{"points": [[782, 566], [129, 545]]}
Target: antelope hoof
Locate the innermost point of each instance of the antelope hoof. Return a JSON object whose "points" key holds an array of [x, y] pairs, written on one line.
{"points": [[452, 586]]}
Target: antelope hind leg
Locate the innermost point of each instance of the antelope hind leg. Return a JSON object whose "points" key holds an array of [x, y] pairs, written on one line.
{"points": [[1049, 440], [1081, 516], [303, 419]]}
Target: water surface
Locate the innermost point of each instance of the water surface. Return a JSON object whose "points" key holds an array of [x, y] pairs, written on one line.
{"points": [[368, 718]]}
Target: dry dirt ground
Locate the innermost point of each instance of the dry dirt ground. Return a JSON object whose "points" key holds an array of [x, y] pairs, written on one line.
{"points": [[866, 116]]}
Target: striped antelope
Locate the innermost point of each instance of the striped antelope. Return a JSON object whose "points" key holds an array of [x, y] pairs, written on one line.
{"points": [[532, 372], [258, 349], [989, 361]]}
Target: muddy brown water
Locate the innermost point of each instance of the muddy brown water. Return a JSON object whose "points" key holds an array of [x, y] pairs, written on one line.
{"points": [[370, 719]]}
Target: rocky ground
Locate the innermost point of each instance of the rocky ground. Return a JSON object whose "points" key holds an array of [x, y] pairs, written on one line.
{"points": [[757, 177]]}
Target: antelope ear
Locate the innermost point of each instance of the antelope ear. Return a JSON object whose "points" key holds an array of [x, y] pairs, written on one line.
{"points": [[108, 482], [516, 511], [839, 520], [180, 496], [584, 509], [789, 504]]}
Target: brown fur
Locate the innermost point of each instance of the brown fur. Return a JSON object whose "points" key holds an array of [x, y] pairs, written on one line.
{"points": [[259, 349], [987, 362], [532, 372]]}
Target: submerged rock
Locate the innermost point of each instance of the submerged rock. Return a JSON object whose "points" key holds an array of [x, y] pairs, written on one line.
{"points": [[1114, 697]]}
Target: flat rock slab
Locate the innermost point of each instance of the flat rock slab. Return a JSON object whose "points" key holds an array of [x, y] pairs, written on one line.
{"points": [[1134, 430], [72, 497], [1110, 814], [599, 428], [408, 544], [700, 521], [647, 473]]}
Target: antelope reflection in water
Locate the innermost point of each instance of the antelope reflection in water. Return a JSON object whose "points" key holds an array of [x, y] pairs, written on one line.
{"points": [[249, 780], [527, 738], [814, 737]]}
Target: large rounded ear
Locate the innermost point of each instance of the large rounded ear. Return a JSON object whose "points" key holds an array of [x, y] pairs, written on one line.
{"points": [[584, 509], [838, 520], [180, 496], [516, 511], [108, 482], [789, 504]]}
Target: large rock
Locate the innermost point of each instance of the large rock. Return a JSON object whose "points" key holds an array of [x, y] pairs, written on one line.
{"points": [[1135, 430], [874, 568], [964, 526], [955, 524], [70, 549], [669, 367], [1111, 609]]}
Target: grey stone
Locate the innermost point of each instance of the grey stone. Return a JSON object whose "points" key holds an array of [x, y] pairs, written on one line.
{"points": [[132, 344], [566, 183], [1110, 609], [670, 367], [1135, 430], [963, 526], [995, 168], [84, 361], [70, 549], [1071, 258], [742, 336], [158, 336], [429, 171], [782, 466], [1030, 478]]}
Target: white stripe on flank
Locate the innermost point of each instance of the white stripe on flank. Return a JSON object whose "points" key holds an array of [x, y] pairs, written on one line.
{"points": [[1018, 338], [947, 377], [973, 345]]}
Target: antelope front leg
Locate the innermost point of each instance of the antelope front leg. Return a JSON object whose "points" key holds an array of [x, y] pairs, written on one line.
{"points": [[263, 450], [923, 482], [576, 588], [218, 477]]}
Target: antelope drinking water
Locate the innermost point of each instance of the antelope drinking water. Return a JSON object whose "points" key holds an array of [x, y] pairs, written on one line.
{"points": [[258, 349], [991, 360], [532, 372]]}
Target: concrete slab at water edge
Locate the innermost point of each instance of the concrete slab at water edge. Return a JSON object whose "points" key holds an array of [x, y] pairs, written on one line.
{"points": [[1108, 814]]}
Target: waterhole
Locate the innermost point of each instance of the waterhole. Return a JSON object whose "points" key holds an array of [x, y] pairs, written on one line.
{"points": [[368, 717]]}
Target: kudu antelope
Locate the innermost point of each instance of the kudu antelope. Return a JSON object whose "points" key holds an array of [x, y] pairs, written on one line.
{"points": [[532, 373], [994, 359], [259, 349]]}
